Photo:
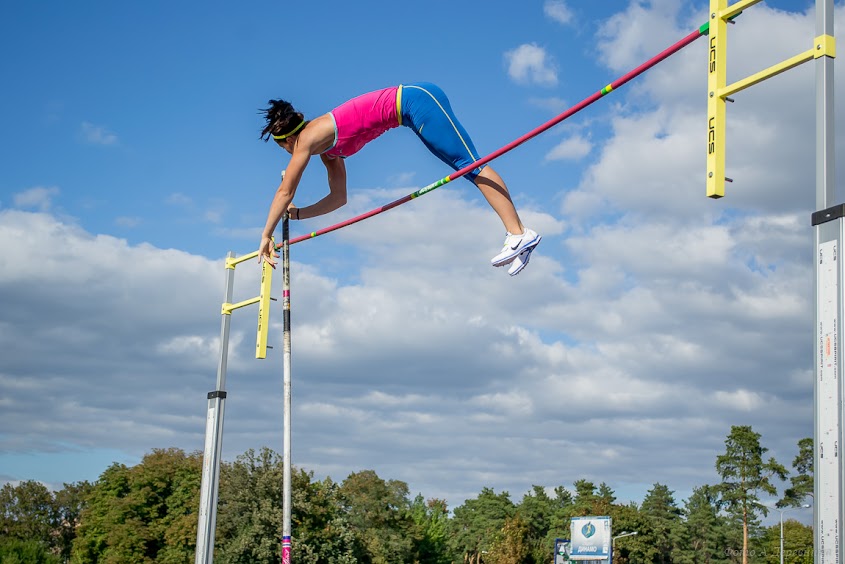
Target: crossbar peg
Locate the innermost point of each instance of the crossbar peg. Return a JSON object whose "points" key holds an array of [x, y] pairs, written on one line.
{"points": [[728, 179], [731, 100]]}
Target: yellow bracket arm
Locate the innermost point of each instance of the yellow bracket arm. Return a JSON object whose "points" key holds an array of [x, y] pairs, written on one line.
{"points": [[263, 300]]}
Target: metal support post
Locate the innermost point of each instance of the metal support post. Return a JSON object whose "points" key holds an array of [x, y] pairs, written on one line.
{"points": [[828, 511], [214, 438], [207, 519]]}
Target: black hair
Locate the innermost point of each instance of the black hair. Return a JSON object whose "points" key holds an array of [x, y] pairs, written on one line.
{"points": [[281, 118]]}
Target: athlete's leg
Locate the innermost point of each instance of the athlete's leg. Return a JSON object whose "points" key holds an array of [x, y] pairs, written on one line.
{"points": [[427, 111], [495, 191]]}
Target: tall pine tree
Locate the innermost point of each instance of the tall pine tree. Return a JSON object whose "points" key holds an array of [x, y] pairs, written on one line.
{"points": [[744, 475]]}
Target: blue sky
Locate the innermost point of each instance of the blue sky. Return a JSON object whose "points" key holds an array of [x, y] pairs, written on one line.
{"points": [[650, 320]]}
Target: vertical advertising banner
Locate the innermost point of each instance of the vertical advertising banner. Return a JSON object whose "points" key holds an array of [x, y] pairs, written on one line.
{"points": [[828, 426], [590, 538]]}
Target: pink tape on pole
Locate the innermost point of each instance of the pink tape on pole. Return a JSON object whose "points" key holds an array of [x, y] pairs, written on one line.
{"points": [[285, 550]]}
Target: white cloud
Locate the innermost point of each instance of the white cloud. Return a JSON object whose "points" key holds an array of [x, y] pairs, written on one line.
{"points": [[213, 216], [573, 148], [179, 199], [629, 38], [741, 400], [401, 179], [554, 104], [530, 64], [127, 221], [39, 198], [97, 135], [558, 11]]}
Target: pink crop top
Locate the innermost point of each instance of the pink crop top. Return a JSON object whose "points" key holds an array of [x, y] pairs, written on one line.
{"points": [[362, 119]]}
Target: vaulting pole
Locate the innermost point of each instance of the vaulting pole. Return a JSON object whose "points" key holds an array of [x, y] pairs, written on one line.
{"points": [[703, 30], [286, 473]]}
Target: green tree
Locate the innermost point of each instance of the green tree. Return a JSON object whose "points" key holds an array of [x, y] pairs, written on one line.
{"points": [[797, 543], [664, 522], [142, 514], [586, 501], [17, 551], [249, 515], [378, 512], [431, 519], [633, 548], [703, 531], [536, 510], [27, 512], [801, 483], [564, 506], [476, 523], [744, 474], [68, 505], [511, 544], [320, 530]]}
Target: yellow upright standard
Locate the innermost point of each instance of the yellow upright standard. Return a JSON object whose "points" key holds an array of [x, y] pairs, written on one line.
{"points": [[718, 91], [716, 78], [264, 298]]}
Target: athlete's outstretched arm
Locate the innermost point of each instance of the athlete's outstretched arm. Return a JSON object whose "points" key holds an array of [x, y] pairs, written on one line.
{"points": [[284, 195], [336, 170]]}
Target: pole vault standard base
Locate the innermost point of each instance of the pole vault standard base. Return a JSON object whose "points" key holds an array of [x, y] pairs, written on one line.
{"points": [[830, 280], [214, 439], [207, 518]]}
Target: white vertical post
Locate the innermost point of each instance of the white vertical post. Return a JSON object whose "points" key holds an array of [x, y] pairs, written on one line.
{"points": [[828, 512], [214, 439], [828, 508], [286, 453]]}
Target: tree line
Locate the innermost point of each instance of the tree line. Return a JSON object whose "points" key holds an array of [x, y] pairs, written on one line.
{"points": [[148, 513]]}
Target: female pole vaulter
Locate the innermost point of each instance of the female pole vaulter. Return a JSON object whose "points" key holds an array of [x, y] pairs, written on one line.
{"points": [[342, 132]]}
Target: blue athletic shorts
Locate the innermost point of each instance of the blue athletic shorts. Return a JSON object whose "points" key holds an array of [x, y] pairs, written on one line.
{"points": [[426, 110]]}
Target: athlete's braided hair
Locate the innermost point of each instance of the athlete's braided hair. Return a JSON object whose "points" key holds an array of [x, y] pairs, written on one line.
{"points": [[281, 118]]}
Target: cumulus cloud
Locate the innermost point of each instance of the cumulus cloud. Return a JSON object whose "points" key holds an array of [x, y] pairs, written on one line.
{"points": [[558, 11], [97, 134], [179, 199], [39, 198], [573, 148], [127, 221], [530, 64], [553, 104]]}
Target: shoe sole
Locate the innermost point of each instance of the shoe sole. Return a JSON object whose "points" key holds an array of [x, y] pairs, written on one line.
{"points": [[509, 259], [524, 263]]}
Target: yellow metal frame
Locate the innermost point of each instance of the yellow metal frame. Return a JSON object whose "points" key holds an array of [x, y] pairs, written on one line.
{"points": [[718, 91], [716, 115], [263, 300]]}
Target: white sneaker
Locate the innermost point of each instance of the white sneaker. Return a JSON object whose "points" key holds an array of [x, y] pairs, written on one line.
{"points": [[515, 244], [521, 261]]}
